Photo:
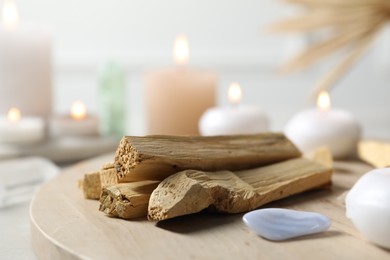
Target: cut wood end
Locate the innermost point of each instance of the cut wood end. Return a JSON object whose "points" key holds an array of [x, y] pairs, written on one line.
{"points": [[192, 191], [126, 157], [157, 157], [127, 200], [179, 193], [108, 177], [107, 166], [91, 185]]}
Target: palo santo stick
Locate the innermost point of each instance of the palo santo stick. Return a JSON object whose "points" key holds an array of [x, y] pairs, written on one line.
{"points": [[91, 185], [108, 177], [375, 153], [127, 200], [109, 165], [191, 191], [93, 182], [322, 155], [156, 157]]}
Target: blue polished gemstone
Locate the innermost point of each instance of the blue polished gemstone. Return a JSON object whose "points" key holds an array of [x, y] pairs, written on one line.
{"points": [[281, 224]]}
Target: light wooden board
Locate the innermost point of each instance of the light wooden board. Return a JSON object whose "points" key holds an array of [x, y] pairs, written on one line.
{"points": [[65, 226]]}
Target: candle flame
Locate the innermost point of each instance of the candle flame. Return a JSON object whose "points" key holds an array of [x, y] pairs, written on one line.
{"points": [[10, 14], [234, 93], [14, 115], [323, 101], [181, 50], [78, 110]]}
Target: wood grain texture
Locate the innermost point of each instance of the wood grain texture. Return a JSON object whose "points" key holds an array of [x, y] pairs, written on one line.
{"points": [[75, 229], [191, 191], [157, 157], [127, 200], [108, 177], [91, 185], [322, 155], [93, 182], [375, 153]]}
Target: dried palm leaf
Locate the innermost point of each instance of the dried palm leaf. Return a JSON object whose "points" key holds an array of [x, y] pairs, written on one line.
{"points": [[351, 24]]}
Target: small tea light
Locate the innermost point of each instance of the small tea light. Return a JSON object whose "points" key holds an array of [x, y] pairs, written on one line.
{"points": [[334, 128], [15, 129], [234, 119], [77, 123], [78, 110]]}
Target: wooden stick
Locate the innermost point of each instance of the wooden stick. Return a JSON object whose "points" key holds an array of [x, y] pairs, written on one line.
{"points": [[322, 155], [116, 198], [91, 185], [192, 191], [156, 157], [375, 153], [93, 182], [127, 200], [108, 177], [109, 165]]}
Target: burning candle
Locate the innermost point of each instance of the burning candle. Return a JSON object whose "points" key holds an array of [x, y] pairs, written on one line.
{"points": [[15, 129], [25, 64], [324, 126], [177, 97], [234, 119], [77, 123]]}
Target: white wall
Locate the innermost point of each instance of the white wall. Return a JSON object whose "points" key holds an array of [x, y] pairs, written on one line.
{"points": [[226, 36]]}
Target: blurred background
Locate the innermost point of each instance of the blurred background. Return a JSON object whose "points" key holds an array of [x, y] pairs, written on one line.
{"points": [[227, 37], [71, 61]]}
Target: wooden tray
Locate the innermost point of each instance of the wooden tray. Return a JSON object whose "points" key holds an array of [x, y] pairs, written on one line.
{"points": [[66, 226]]}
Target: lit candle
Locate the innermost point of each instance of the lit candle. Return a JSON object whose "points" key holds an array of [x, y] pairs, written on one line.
{"points": [[25, 64], [324, 126], [177, 97], [234, 119], [77, 123], [15, 129]]}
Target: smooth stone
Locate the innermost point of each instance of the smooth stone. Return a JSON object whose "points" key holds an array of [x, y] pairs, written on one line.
{"points": [[281, 224]]}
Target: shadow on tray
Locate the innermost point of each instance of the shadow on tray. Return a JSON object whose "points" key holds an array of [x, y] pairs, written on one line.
{"points": [[207, 220], [199, 222]]}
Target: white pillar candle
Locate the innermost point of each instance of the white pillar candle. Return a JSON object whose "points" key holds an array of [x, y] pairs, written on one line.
{"points": [[15, 129], [177, 97], [235, 119], [25, 65], [77, 123], [323, 126]]}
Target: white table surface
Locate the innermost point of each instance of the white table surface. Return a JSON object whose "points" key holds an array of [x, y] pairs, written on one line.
{"points": [[15, 232], [15, 241]]}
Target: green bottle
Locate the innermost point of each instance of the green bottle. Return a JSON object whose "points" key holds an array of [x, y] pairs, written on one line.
{"points": [[111, 100]]}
